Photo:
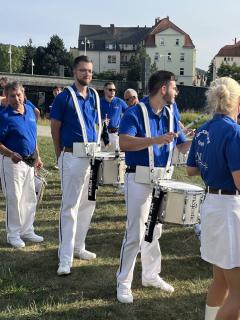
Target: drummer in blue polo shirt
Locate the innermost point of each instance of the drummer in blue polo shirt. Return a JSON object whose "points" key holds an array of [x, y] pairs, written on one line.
{"points": [[112, 109], [18, 146], [215, 155], [133, 140], [76, 210]]}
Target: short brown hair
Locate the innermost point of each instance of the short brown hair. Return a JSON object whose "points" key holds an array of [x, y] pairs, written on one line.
{"points": [[81, 59], [13, 86], [158, 79]]}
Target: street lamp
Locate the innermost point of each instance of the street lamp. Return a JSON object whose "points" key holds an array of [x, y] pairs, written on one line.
{"points": [[10, 58], [85, 42], [32, 66]]}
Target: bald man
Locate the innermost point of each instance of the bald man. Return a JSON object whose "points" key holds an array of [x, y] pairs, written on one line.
{"points": [[131, 97]]}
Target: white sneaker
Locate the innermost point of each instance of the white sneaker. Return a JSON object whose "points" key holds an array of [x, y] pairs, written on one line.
{"points": [[33, 237], [124, 295], [16, 242], [158, 283], [84, 255], [63, 269]]}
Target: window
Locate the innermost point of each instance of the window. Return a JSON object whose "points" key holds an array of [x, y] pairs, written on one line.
{"points": [[112, 59], [169, 56], [181, 82], [181, 56], [181, 71], [156, 57], [225, 59], [177, 42], [161, 42]]}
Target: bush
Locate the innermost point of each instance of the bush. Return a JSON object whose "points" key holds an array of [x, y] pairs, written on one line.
{"points": [[188, 117]]}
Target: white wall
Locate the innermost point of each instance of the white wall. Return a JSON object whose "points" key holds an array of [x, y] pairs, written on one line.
{"points": [[169, 37], [100, 60]]}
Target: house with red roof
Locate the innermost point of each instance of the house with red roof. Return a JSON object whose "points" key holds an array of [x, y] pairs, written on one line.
{"points": [[228, 54], [111, 48]]}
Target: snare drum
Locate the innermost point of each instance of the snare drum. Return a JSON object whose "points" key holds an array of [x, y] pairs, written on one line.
{"points": [[179, 159], [112, 168], [181, 202]]}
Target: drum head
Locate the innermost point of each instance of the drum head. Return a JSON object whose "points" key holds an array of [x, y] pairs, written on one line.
{"points": [[178, 185]]}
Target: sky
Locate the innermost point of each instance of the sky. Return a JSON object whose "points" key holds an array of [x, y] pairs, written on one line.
{"points": [[211, 24]]}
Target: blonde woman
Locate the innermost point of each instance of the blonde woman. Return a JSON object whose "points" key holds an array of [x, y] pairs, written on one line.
{"points": [[215, 155]]}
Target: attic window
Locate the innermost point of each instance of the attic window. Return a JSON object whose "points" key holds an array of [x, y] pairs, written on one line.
{"points": [[161, 42], [177, 42]]}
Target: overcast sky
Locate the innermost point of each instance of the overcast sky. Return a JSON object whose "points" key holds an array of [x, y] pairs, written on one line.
{"points": [[210, 23]]}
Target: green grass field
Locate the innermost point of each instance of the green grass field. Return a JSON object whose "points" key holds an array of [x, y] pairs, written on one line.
{"points": [[30, 288]]}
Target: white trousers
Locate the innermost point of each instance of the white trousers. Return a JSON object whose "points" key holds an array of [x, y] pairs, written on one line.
{"points": [[19, 190], [76, 210], [138, 199]]}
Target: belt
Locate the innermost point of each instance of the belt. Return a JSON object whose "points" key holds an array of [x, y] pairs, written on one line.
{"points": [[66, 149], [220, 191], [112, 130], [130, 169]]}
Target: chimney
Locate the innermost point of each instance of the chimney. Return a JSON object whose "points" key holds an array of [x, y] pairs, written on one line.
{"points": [[235, 40], [112, 28], [157, 20], [167, 17]]}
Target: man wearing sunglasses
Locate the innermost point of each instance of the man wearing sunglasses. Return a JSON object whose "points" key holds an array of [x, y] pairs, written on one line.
{"points": [[112, 109], [131, 97]]}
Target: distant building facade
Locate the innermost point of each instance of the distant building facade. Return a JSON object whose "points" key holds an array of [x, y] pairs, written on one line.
{"points": [[111, 48], [228, 54]]}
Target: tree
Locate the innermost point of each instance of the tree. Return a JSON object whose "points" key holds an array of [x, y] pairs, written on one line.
{"points": [[17, 57], [137, 65], [227, 70], [30, 53], [210, 74], [48, 60]]}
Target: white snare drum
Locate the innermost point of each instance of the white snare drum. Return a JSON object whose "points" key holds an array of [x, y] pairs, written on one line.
{"points": [[181, 202], [112, 168], [179, 159]]}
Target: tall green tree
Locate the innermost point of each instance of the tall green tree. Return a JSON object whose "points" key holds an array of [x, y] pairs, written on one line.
{"points": [[210, 74], [17, 57], [227, 70], [137, 65], [48, 60], [29, 56]]}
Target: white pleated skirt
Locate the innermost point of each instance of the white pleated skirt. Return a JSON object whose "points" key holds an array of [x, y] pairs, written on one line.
{"points": [[220, 230]]}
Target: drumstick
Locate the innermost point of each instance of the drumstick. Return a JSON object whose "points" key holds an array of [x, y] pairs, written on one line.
{"points": [[191, 124], [188, 126]]}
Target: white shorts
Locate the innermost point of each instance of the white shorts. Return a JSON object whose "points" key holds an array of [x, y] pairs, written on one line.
{"points": [[220, 235]]}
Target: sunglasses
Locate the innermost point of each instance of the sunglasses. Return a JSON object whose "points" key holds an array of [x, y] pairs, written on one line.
{"points": [[110, 89], [127, 99]]}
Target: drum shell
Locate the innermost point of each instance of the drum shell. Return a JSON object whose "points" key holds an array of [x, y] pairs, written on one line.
{"points": [[181, 206], [111, 171]]}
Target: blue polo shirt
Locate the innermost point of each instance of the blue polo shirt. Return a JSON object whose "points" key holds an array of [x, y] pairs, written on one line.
{"points": [[18, 132], [113, 110], [132, 124], [215, 151], [63, 110], [176, 111]]}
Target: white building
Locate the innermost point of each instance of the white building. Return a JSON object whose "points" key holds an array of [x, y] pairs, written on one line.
{"points": [[228, 54], [111, 48]]}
